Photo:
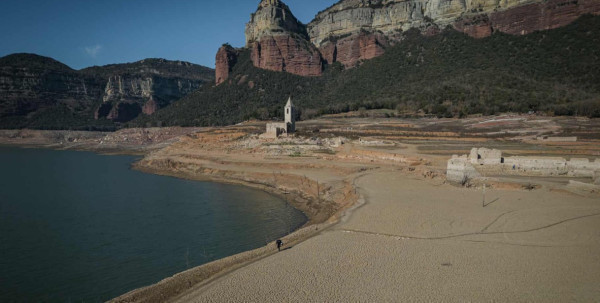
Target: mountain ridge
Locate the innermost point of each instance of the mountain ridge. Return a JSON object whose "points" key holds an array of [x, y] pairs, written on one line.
{"points": [[353, 31], [555, 72], [41, 92]]}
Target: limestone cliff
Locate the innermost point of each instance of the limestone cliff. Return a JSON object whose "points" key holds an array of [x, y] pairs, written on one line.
{"points": [[38, 88], [143, 94], [29, 82], [145, 86], [351, 26], [389, 16], [280, 42], [273, 17], [525, 19], [352, 31]]}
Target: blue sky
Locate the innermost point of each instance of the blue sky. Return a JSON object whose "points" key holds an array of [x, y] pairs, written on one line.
{"points": [[82, 33]]}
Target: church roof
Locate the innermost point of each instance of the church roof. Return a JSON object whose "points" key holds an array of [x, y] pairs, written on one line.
{"points": [[289, 102]]}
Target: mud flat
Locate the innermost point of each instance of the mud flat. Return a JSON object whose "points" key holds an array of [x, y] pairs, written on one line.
{"points": [[411, 238], [321, 190], [417, 240]]}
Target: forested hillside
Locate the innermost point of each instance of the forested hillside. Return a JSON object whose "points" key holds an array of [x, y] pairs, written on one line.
{"points": [[450, 75]]}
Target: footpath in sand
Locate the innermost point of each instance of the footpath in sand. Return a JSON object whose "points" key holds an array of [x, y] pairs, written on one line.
{"points": [[415, 240]]}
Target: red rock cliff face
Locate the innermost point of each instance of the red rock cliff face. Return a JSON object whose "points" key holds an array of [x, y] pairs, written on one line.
{"points": [[225, 60], [350, 51], [285, 53], [353, 31], [150, 107], [528, 18]]}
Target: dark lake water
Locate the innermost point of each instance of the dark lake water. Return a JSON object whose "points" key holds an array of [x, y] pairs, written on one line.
{"points": [[82, 227]]}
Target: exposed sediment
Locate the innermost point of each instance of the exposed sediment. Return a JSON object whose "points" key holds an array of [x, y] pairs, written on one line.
{"points": [[322, 201], [321, 173]]}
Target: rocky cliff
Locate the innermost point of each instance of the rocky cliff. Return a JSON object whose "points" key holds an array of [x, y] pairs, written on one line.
{"points": [[32, 86], [352, 31], [351, 26], [225, 60], [30, 82], [527, 18], [280, 42], [145, 86]]}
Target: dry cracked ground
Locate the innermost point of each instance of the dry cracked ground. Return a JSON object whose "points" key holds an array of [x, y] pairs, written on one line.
{"points": [[416, 238], [420, 241]]}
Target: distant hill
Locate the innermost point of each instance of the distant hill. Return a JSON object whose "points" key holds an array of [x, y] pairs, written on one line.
{"points": [[33, 61], [40, 92], [449, 74]]}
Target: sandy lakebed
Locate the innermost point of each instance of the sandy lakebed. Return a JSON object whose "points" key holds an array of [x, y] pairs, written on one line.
{"points": [[384, 225]]}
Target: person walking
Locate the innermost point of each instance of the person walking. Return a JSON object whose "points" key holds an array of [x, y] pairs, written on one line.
{"points": [[279, 244]]}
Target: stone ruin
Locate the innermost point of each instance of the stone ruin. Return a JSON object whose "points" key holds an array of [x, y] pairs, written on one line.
{"points": [[461, 170], [275, 130], [484, 156], [490, 161], [557, 139]]}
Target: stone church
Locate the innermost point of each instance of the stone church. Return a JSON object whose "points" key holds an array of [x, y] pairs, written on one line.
{"points": [[288, 127]]}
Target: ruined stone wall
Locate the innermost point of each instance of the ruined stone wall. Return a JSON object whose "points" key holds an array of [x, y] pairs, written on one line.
{"points": [[490, 162], [557, 139], [460, 170], [536, 166], [274, 130], [484, 156], [583, 167]]}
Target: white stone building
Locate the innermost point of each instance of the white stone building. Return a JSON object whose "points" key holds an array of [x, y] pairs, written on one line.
{"points": [[490, 161], [288, 127]]}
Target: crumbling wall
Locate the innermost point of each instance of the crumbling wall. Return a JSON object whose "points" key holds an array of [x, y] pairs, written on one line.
{"points": [[484, 156], [460, 170], [583, 167], [557, 139], [275, 130], [545, 166], [490, 161]]}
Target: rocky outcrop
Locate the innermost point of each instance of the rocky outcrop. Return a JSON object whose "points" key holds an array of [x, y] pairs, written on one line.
{"points": [[150, 107], [225, 60], [351, 31], [32, 86], [478, 18], [285, 53], [146, 86], [123, 112], [130, 95], [280, 42], [29, 82], [355, 48], [525, 19], [273, 17]]}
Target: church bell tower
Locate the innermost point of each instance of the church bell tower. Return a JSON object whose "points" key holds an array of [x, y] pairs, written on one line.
{"points": [[290, 116]]}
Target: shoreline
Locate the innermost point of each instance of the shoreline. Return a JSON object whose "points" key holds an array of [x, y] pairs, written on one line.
{"points": [[171, 288], [411, 208]]}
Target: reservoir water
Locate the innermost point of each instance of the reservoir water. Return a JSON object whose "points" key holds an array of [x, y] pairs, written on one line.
{"points": [[82, 227]]}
